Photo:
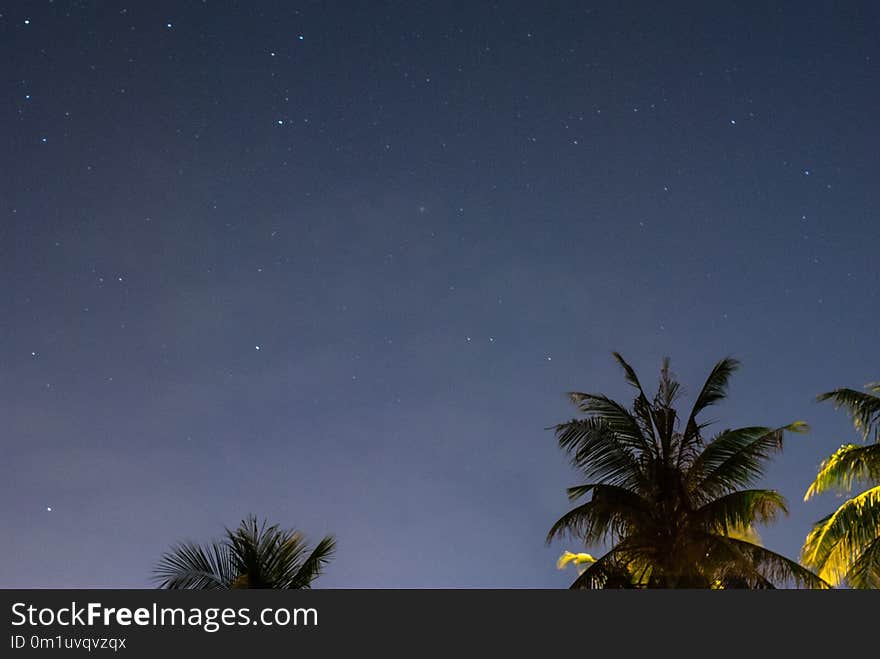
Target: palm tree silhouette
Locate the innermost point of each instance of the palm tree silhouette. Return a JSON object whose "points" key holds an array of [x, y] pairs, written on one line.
{"points": [[252, 556], [670, 502]]}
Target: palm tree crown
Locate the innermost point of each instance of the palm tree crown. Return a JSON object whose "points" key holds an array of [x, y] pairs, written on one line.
{"points": [[252, 556], [845, 545], [669, 502]]}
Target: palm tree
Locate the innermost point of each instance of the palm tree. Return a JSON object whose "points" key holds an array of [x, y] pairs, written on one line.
{"points": [[845, 545], [669, 502], [252, 556]]}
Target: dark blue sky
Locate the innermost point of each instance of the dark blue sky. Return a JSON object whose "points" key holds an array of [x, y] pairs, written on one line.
{"points": [[338, 263]]}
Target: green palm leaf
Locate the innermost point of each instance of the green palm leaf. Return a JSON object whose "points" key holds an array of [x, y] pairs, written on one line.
{"points": [[836, 541], [739, 510], [845, 545], [865, 570], [850, 465]]}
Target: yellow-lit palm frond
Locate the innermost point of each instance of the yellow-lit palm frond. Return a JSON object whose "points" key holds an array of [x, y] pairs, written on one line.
{"points": [[580, 560], [748, 534], [847, 467], [837, 542]]}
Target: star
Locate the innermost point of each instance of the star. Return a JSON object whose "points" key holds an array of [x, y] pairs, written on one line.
{"points": [[256, 347], [48, 509]]}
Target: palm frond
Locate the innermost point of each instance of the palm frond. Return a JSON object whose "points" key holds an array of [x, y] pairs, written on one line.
{"points": [[668, 387], [641, 406], [865, 570], [253, 555], [617, 418], [609, 512], [283, 564], [312, 566], [837, 540], [190, 566], [863, 407], [250, 545], [577, 491], [714, 390], [747, 533], [579, 559], [596, 449], [765, 565], [735, 512], [847, 467], [607, 571], [736, 458]]}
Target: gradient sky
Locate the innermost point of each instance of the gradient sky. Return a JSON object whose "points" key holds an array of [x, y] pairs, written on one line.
{"points": [[338, 263]]}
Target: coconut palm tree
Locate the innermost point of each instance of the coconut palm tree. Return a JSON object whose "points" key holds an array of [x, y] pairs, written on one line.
{"points": [[252, 556], [845, 545], [669, 502]]}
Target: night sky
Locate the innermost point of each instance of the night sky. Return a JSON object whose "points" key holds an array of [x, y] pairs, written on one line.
{"points": [[337, 264]]}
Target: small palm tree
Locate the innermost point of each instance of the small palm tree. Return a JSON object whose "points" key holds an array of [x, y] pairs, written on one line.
{"points": [[670, 502], [845, 545], [252, 556]]}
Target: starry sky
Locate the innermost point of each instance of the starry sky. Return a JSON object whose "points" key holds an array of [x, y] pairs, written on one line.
{"points": [[338, 263]]}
